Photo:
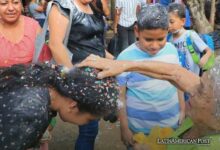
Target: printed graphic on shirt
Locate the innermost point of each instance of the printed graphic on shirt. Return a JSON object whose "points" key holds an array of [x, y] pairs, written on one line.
{"points": [[182, 49]]}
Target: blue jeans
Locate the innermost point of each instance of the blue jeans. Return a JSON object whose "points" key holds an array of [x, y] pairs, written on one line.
{"points": [[87, 135], [41, 22]]}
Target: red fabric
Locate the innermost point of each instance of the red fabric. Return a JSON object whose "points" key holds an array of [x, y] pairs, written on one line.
{"points": [[45, 54]]}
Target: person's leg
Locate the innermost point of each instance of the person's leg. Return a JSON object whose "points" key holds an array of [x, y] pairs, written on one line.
{"points": [[122, 39], [87, 135], [131, 36]]}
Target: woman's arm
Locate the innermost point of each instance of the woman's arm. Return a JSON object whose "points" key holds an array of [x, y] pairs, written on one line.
{"points": [[108, 55], [180, 77], [116, 19], [105, 8], [58, 25]]}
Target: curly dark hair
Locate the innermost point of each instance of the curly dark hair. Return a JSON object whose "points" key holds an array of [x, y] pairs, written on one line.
{"points": [[153, 17], [98, 97]]}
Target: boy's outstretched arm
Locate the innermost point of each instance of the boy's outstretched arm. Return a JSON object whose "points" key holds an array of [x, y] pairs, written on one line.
{"points": [[180, 77]]}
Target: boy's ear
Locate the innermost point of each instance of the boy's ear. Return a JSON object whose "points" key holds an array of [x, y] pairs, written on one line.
{"points": [[136, 31], [72, 106], [183, 21]]}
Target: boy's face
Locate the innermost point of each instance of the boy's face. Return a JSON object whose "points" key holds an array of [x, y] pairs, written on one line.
{"points": [[175, 22], [151, 41]]}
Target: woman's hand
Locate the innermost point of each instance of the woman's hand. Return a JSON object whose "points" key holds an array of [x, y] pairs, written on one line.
{"points": [[109, 67]]}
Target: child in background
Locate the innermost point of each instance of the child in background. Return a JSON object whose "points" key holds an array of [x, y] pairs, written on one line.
{"points": [[187, 24], [149, 102], [179, 37]]}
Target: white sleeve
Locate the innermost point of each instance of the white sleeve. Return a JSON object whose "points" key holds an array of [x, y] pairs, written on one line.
{"points": [[200, 44]]}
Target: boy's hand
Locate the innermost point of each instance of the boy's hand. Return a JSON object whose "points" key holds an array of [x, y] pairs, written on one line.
{"points": [[208, 54], [203, 61], [127, 137]]}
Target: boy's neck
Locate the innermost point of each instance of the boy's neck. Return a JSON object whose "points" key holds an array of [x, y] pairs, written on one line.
{"points": [[178, 33]]}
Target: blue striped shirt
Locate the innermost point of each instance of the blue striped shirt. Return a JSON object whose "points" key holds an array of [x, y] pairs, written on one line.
{"points": [[150, 102]]}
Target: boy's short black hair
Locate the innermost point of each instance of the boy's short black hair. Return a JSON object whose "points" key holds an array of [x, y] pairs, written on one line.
{"points": [[178, 9], [153, 16]]}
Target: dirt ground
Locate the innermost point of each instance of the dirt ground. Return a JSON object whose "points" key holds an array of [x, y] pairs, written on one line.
{"points": [[64, 136]]}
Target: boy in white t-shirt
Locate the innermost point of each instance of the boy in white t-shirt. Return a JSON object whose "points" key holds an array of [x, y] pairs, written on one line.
{"points": [[179, 39]]}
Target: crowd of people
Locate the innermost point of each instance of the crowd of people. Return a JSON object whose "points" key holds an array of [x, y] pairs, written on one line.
{"points": [[154, 74]]}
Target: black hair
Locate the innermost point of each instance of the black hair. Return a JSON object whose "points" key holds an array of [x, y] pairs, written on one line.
{"points": [[98, 97], [152, 17], [178, 9]]}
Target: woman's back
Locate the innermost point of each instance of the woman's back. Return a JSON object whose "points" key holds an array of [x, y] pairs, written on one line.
{"points": [[25, 115]]}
